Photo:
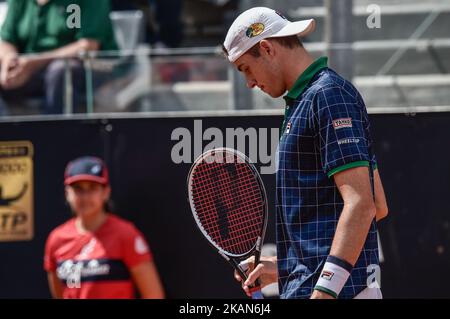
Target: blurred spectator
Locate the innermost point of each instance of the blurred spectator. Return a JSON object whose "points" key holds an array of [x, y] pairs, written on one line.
{"points": [[96, 254], [41, 29], [168, 29], [120, 5]]}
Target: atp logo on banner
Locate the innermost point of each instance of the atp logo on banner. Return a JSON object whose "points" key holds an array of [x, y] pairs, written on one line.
{"points": [[16, 191]]}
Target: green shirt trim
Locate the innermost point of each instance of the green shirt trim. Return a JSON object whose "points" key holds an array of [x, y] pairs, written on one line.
{"points": [[347, 166], [304, 79], [300, 85]]}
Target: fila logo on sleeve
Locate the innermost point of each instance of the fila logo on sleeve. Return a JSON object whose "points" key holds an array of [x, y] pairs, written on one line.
{"points": [[288, 127]]}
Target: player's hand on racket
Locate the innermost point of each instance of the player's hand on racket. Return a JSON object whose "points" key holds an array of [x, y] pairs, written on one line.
{"points": [[266, 272]]}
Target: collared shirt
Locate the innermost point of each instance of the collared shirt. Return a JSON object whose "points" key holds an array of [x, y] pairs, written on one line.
{"points": [[325, 130], [34, 28]]}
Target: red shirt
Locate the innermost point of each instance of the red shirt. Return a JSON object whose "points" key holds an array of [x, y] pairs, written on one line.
{"points": [[97, 264]]}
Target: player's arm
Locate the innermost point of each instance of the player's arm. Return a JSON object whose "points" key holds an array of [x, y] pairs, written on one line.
{"points": [[353, 226], [54, 284], [380, 198], [146, 278]]}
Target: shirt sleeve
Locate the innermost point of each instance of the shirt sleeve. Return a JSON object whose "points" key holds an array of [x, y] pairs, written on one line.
{"points": [[136, 248], [8, 31], [340, 121], [49, 258], [96, 24]]}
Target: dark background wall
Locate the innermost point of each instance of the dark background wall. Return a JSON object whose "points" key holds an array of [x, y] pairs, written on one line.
{"points": [[149, 189]]}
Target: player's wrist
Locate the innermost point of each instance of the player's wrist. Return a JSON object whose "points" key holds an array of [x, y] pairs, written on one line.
{"points": [[318, 294], [334, 275]]}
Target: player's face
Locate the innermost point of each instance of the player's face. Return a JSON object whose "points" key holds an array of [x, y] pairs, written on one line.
{"points": [[262, 72], [87, 198]]}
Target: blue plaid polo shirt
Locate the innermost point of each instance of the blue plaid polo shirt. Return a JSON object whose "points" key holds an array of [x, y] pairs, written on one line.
{"points": [[325, 131]]}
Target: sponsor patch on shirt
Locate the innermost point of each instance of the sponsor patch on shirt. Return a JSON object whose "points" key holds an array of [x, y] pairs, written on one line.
{"points": [[341, 123], [348, 141]]}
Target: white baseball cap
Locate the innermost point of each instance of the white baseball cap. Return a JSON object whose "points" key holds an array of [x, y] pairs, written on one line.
{"points": [[260, 23]]}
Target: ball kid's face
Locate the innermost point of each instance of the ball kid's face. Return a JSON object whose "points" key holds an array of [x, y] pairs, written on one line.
{"points": [[262, 71], [87, 198]]}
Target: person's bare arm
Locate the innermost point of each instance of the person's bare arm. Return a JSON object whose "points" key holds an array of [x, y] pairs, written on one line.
{"points": [[8, 60], [22, 67], [356, 217], [147, 280], [55, 285], [67, 51], [7, 49], [380, 198]]}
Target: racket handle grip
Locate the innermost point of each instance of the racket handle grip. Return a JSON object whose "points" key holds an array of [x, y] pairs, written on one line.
{"points": [[256, 292]]}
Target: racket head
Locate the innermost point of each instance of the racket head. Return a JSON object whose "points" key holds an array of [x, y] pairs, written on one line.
{"points": [[228, 201]]}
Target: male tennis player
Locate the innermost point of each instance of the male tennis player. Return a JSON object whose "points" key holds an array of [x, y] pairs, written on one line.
{"points": [[329, 193]]}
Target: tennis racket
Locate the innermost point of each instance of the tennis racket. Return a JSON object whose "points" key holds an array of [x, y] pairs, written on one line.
{"points": [[228, 202]]}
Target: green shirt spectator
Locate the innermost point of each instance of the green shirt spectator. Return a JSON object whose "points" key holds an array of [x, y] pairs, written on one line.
{"points": [[48, 30], [34, 28]]}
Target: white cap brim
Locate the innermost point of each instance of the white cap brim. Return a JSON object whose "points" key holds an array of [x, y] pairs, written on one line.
{"points": [[299, 28]]}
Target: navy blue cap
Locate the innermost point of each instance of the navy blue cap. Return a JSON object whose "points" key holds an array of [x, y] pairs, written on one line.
{"points": [[86, 168]]}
